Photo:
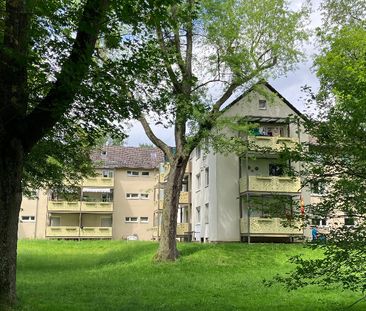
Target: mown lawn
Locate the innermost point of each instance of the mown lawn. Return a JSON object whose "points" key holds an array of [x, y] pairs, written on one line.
{"points": [[116, 275]]}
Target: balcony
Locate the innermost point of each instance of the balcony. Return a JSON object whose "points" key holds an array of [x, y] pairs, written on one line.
{"points": [[96, 206], [159, 204], [66, 206], [183, 228], [98, 181], [269, 227], [75, 232], [96, 232], [184, 197], [275, 143], [62, 231], [270, 184]]}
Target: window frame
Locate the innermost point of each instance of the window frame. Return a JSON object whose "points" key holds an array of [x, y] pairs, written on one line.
{"points": [[128, 219], [132, 198]]}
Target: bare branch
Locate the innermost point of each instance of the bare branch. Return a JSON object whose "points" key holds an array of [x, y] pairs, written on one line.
{"points": [[158, 142]]}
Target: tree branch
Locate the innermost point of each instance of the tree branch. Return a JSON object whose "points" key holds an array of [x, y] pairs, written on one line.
{"points": [[60, 97], [172, 76], [156, 141]]}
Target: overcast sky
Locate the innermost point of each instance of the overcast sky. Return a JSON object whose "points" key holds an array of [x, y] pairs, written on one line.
{"points": [[289, 86]]}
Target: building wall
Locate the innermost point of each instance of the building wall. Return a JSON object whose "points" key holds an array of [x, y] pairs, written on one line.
{"points": [[223, 190], [124, 207], [36, 207]]}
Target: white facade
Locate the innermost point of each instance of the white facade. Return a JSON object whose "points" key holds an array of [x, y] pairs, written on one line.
{"points": [[216, 207]]}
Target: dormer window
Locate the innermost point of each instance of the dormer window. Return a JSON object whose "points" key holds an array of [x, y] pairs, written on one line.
{"points": [[103, 153], [262, 104]]}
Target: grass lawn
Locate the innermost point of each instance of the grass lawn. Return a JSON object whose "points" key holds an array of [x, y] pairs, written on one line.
{"points": [[116, 275]]}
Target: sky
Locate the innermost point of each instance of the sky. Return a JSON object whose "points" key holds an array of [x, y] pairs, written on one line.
{"points": [[288, 86]]}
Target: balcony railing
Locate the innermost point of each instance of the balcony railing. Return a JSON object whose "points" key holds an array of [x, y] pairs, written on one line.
{"points": [[66, 206], [269, 227], [185, 197], [71, 231], [96, 206], [96, 232], [275, 143], [63, 206], [182, 229], [270, 184], [62, 231], [98, 181]]}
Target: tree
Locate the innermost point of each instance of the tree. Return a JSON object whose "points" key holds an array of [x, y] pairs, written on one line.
{"points": [[336, 159], [23, 121], [227, 44], [57, 90]]}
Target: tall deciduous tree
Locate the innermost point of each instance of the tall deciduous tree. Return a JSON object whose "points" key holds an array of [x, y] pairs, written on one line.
{"points": [[24, 120], [228, 44]]}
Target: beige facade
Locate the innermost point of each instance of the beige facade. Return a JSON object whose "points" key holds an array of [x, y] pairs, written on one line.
{"points": [[117, 203], [134, 203]]}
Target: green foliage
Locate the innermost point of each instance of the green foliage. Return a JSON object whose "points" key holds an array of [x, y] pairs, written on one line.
{"points": [[120, 275], [336, 156]]}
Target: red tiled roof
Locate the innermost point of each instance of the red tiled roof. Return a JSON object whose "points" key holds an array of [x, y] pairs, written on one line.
{"points": [[128, 157]]}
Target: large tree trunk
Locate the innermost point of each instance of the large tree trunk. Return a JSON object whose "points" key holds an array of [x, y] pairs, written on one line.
{"points": [[168, 243], [11, 167]]}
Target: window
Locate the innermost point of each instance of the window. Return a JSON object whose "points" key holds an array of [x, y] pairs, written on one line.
{"points": [[321, 222], [275, 170], [107, 197], [107, 173], [144, 220], [198, 214], [55, 221], [262, 104], [132, 173], [103, 153], [198, 152], [207, 176], [206, 213], [317, 187], [28, 218], [144, 196], [198, 180], [132, 196], [131, 219], [145, 174], [349, 220], [106, 222]]}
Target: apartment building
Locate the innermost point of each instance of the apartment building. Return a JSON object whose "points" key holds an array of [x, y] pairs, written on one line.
{"points": [[250, 196], [117, 203]]}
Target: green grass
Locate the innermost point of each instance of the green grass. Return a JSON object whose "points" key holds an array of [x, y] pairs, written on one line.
{"points": [[116, 275]]}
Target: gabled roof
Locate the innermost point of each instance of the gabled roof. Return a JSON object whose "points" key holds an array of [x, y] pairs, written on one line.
{"points": [[127, 157], [273, 90]]}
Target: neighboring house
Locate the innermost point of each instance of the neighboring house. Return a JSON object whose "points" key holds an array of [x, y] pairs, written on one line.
{"points": [[118, 203]]}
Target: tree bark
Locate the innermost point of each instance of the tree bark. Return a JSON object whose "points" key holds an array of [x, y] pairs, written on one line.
{"points": [[168, 243], [11, 167]]}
